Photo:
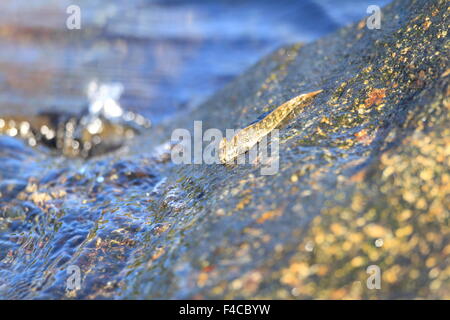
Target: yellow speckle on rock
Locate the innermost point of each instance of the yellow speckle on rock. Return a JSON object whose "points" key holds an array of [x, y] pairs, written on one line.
{"points": [[337, 229], [405, 215], [269, 215], [40, 198], [357, 262], [427, 24], [202, 279], [375, 231], [404, 232], [244, 202], [409, 196], [391, 275]]}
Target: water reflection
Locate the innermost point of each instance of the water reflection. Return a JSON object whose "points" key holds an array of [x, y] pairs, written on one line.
{"points": [[169, 55], [101, 127]]}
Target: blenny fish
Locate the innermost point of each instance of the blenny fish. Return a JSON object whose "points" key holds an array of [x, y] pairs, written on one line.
{"points": [[101, 127], [249, 136]]}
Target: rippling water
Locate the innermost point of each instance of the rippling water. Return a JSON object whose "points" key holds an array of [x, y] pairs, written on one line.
{"points": [[113, 216], [170, 55]]}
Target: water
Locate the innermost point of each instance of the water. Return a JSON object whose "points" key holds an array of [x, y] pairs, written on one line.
{"points": [[118, 217], [170, 55]]}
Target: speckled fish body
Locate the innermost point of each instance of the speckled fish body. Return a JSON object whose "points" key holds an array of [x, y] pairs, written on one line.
{"points": [[246, 138]]}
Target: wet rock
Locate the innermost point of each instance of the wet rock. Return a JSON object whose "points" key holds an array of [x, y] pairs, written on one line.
{"points": [[9, 189], [362, 183], [102, 127], [362, 180]]}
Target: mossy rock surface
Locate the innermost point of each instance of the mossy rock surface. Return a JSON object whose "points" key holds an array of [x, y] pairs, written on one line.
{"points": [[364, 180], [364, 172]]}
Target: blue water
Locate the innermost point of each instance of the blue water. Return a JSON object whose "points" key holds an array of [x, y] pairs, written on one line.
{"points": [[170, 55]]}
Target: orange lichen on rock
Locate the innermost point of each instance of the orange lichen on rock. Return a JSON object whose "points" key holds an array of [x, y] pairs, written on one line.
{"points": [[375, 97], [269, 215]]}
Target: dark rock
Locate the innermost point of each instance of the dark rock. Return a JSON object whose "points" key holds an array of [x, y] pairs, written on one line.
{"points": [[363, 183], [363, 180]]}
